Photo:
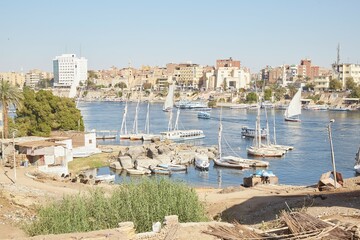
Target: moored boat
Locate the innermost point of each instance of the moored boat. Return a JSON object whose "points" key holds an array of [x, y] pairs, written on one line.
{"points": [[202, 162], [222, 163], [105, 178], [251, 132], [203, 115], [159, 170], [249, 162], [173, 167], [137, 171]]}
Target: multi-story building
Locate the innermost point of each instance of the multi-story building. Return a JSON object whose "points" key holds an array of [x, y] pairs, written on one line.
{"points": [[227, 63], [33, 77], [233, 77], [13, 78], [321, 83], [69, 71], [188, 75], [348, 70]]}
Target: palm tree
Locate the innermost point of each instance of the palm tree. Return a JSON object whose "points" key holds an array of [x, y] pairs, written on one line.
{"points": [[10, 95]]}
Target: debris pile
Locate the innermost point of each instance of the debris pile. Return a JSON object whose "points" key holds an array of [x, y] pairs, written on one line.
{"points": [[297, 225]]}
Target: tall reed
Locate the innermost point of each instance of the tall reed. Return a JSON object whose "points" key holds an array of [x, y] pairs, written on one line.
{"points": [[141, 202]]}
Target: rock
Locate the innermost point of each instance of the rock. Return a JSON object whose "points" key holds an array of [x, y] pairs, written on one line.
{"points": [[163, 149], [210, 155], [156, 227], [186, 156], [126, 162], [116, 165], [151, 152], [135, 151]]}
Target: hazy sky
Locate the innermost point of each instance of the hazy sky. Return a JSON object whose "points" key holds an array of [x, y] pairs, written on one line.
{"points": [[155, 32]]}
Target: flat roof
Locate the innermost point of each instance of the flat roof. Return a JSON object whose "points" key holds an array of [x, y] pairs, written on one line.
{"points": [[37, 144]]}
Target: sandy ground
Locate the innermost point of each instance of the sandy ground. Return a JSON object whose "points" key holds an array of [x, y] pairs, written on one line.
{"points": [[250, 206]]}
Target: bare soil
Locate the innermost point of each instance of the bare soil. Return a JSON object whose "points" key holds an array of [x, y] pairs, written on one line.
{"points": [[257, 206]]}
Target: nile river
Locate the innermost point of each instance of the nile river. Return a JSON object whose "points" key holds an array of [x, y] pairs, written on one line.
{"points": [[302, 166]]}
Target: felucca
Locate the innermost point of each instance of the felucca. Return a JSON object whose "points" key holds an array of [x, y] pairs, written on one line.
{"points": [[293, 111]]}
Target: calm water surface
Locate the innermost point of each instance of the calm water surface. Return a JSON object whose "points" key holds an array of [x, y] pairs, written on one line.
{"points": [[303, 166]]}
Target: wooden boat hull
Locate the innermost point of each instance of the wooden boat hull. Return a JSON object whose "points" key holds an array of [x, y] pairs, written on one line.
{"points": [[161, 171], [262, 152], [250, 162], [287, 119], [222, 163], [173, 167]]}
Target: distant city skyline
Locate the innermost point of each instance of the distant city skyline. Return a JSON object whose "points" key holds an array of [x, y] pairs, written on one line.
{"points": [[114, 33]]}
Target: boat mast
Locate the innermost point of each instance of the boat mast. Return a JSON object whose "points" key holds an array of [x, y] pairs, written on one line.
{"points": [[170, 120], [274, 131], [220, 133], [177, 119], [135, 125], [123, 129], [267, 128], [147, 122]]}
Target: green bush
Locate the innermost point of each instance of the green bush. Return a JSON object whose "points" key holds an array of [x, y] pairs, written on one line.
{"points": [[141, 202]]}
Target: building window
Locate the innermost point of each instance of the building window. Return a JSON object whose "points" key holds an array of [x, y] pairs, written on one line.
{"points": [[90, 141]]}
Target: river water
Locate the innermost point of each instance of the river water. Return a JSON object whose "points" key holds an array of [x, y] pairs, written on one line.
{"points": [[302, 166]]}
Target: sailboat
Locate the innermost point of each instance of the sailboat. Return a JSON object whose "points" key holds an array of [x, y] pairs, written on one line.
{"points": [[169, 101], [232, 161], [173, 133], [260, 150], [147, 136], [135, 133], [294, 109], [123, 131]]}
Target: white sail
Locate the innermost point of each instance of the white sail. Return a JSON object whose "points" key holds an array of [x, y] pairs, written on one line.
{"points": [[169, 101], [294, 108]]}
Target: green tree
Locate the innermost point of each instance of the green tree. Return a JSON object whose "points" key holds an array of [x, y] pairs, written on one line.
{"points": [[45, 83], [92, 75], [10, 95], [350, 83], [279, 92], [251, 97], [147, 85], [292, 90], [42, 112], [121, 85], [267, 94], [224, 85], [355, 93], [335, 84]]}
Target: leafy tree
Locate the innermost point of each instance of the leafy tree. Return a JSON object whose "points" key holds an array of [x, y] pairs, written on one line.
{"points": [[355, 93], [292, 90], [92, 75], [310, 86], [350, 83], [121, 85], [45, 83], [147, 85], [119, 94], [224, 85], [267, 94], [279, 92], [10, 95], [42, 112], [335, 84], [251, 97], [90, 84]]}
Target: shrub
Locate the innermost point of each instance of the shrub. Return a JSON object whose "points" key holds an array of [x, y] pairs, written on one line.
{"points": [[142, 202]]}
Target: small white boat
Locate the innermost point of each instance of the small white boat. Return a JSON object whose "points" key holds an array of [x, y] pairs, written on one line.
{"points": [[173, 167], [357, 162], [223, 163], [265, 152], [250, 162], [202, 162], [203, 115], [251, 132], [357, 168], [105, 178], [160, 170], [138, 171], [182, 135]]}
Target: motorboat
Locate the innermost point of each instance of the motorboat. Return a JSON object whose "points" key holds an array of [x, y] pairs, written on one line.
{"points": [[203, 115], [173, 167], [105, 178], [251, 132], [202, 162], [249, 162], [182, 135], [138, 171], [159, 170]]}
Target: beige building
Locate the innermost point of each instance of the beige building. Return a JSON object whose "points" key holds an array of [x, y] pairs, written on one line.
{"points": [[33, 77], [321, 83], [348, 70], [17, 79], [188, 75]]}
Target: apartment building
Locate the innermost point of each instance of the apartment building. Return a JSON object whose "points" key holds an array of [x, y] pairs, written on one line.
{"points": [[188, 75], [227, 63], [348, 70], [33, 77], [69, 71], [14, 78], [233, 77]]}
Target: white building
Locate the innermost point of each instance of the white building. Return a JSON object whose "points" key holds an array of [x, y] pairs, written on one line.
{"points": [[348, 70], [234, 77], [69, 71]]}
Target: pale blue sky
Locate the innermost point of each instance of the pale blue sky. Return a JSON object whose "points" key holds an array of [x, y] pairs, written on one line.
{"points": [[151, 32]]}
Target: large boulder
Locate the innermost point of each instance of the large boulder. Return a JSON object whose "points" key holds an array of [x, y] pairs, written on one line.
{"points": [[186, 156], [163, 149], [116, 165], [135, 151], [151, 152], [126, 162]]}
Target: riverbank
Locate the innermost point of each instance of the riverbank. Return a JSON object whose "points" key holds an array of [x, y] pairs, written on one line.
{"points": [[255, 207]]}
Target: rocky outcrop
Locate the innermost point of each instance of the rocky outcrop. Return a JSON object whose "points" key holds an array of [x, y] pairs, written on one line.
{"points": [[162, 152]]}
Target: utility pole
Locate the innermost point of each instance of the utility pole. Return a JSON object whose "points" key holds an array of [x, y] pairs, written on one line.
{"points": [[332, 152], [13, 135]]}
